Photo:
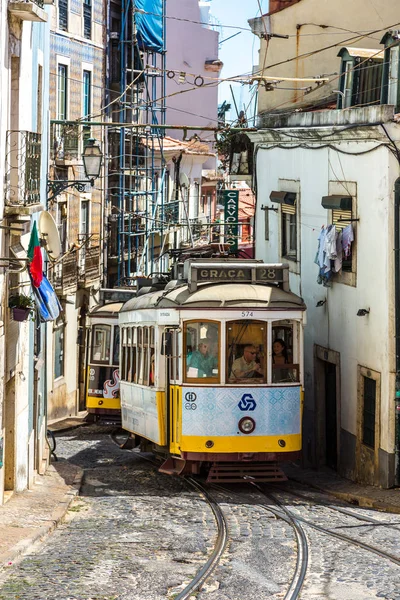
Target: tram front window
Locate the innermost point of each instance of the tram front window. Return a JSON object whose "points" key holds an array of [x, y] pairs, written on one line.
{"points": [[202, 350], [245, 360], [101, 343], [285, 343]]}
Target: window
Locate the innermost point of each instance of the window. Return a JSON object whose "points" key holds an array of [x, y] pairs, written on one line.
{"points": [[139, 344], [348, 83], [289, 232], [115, 360], [61, 221], [196, 199], [285, 344], [341, 219], [84, 233], [393, 75], [62, 89], [87, 102], [369, 412], [246, 351], [360, 77], [87, 19], [63, 14], [152, 372], [201, 351], [342, 212], [39, 99], [101, 344], [59, 349]]}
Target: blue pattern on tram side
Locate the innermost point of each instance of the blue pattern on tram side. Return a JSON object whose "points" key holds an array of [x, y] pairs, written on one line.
{"points": [[217, 411]]}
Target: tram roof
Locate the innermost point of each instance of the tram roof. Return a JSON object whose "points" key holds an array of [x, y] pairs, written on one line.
{"points": [[108, 310], [217, 296]]}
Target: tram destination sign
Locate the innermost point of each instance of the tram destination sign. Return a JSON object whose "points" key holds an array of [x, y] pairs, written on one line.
{"points": [[238, 273]]}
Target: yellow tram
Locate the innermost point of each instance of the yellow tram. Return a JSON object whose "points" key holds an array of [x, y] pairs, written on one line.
{"points": [[212, 369], [102, 376]]}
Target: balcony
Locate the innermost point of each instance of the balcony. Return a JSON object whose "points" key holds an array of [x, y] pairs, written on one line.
{"points": [[89, 265], [28, 11], [64, 275], [22, 178], [64, 142]]}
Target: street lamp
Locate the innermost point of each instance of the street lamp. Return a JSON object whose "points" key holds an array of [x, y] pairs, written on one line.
{"points": [[92, 158]]}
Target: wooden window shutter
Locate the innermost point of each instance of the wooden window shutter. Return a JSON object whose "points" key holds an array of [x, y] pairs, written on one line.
{"points": [[288, 209], [341, 218]]}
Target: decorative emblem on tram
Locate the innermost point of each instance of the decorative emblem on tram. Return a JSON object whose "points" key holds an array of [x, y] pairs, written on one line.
{"points": [[247, 402]]}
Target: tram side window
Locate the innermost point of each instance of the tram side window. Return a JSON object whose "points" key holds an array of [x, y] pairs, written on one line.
{"points": [[285, 352], [139, 355], [202, 350], [152, 356], [146, 356], [246, 356], [101, 343], [123, 355], [115, 360]]}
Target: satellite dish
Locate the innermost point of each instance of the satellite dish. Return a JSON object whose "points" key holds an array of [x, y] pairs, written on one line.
{"points": [[49, 233], [184, 180]]}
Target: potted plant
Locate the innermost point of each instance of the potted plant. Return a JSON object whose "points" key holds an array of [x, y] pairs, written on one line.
{"points": [[21, 305]]}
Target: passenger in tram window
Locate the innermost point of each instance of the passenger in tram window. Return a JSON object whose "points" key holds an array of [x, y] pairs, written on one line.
{"points": [[202, 361], [151, 372], [247, 366], [279, 353]]}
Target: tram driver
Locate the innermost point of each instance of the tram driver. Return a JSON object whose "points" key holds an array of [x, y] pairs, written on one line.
{"points": [[246, 366]]}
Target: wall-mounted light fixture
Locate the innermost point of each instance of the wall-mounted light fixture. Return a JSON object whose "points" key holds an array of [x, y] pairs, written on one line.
{"points": [[320, 303], [92, 158], [362, 312]]}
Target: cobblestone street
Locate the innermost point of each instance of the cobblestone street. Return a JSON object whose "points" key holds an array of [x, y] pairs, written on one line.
{"points": [[136, 534]]}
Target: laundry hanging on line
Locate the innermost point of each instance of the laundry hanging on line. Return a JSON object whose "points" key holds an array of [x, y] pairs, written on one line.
{"points": [[333, 246]]}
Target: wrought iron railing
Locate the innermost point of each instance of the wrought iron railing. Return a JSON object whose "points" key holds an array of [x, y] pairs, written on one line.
{"points": [[89, 264], [64, 275], [23, 163], [64, 140]]}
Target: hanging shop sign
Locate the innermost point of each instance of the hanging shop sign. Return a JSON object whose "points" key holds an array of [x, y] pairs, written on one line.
{"points": [[231, 217]]}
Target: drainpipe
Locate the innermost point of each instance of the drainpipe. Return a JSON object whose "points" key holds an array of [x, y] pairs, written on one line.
{"points": [[397, 324]]}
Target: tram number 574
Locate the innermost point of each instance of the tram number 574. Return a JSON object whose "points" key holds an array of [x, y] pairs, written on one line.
{"points": [[247, 313]]}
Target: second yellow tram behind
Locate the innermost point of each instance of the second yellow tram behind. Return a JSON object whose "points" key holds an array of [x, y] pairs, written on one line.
{"points": [[212, 370]]}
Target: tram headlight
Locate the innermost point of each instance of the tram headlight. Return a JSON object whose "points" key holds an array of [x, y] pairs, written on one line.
{"points": [[247, 425]]}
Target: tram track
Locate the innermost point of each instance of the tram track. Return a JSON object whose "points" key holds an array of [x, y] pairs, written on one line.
{"points": [[219, 547], [348, 512], [345, 538], [298, 578], [222, 528]]}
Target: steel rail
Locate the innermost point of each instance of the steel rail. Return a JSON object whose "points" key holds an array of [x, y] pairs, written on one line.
{"points": [[344, 511], [219, 546], [302, 547], [298, 578], [222, 536], [345, 538]]}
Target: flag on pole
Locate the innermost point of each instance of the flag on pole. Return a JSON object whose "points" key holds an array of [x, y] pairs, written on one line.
{"points": [[35, 257]]}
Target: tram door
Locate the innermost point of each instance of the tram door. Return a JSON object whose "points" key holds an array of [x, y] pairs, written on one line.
{"points": [[171, 351], [330, 415]]}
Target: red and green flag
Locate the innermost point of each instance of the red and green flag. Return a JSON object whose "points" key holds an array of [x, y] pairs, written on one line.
{"points": [[35, 257]]}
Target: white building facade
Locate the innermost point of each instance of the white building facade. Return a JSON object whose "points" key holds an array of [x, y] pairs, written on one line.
{"points": [[24, 93], [346, 160]]}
